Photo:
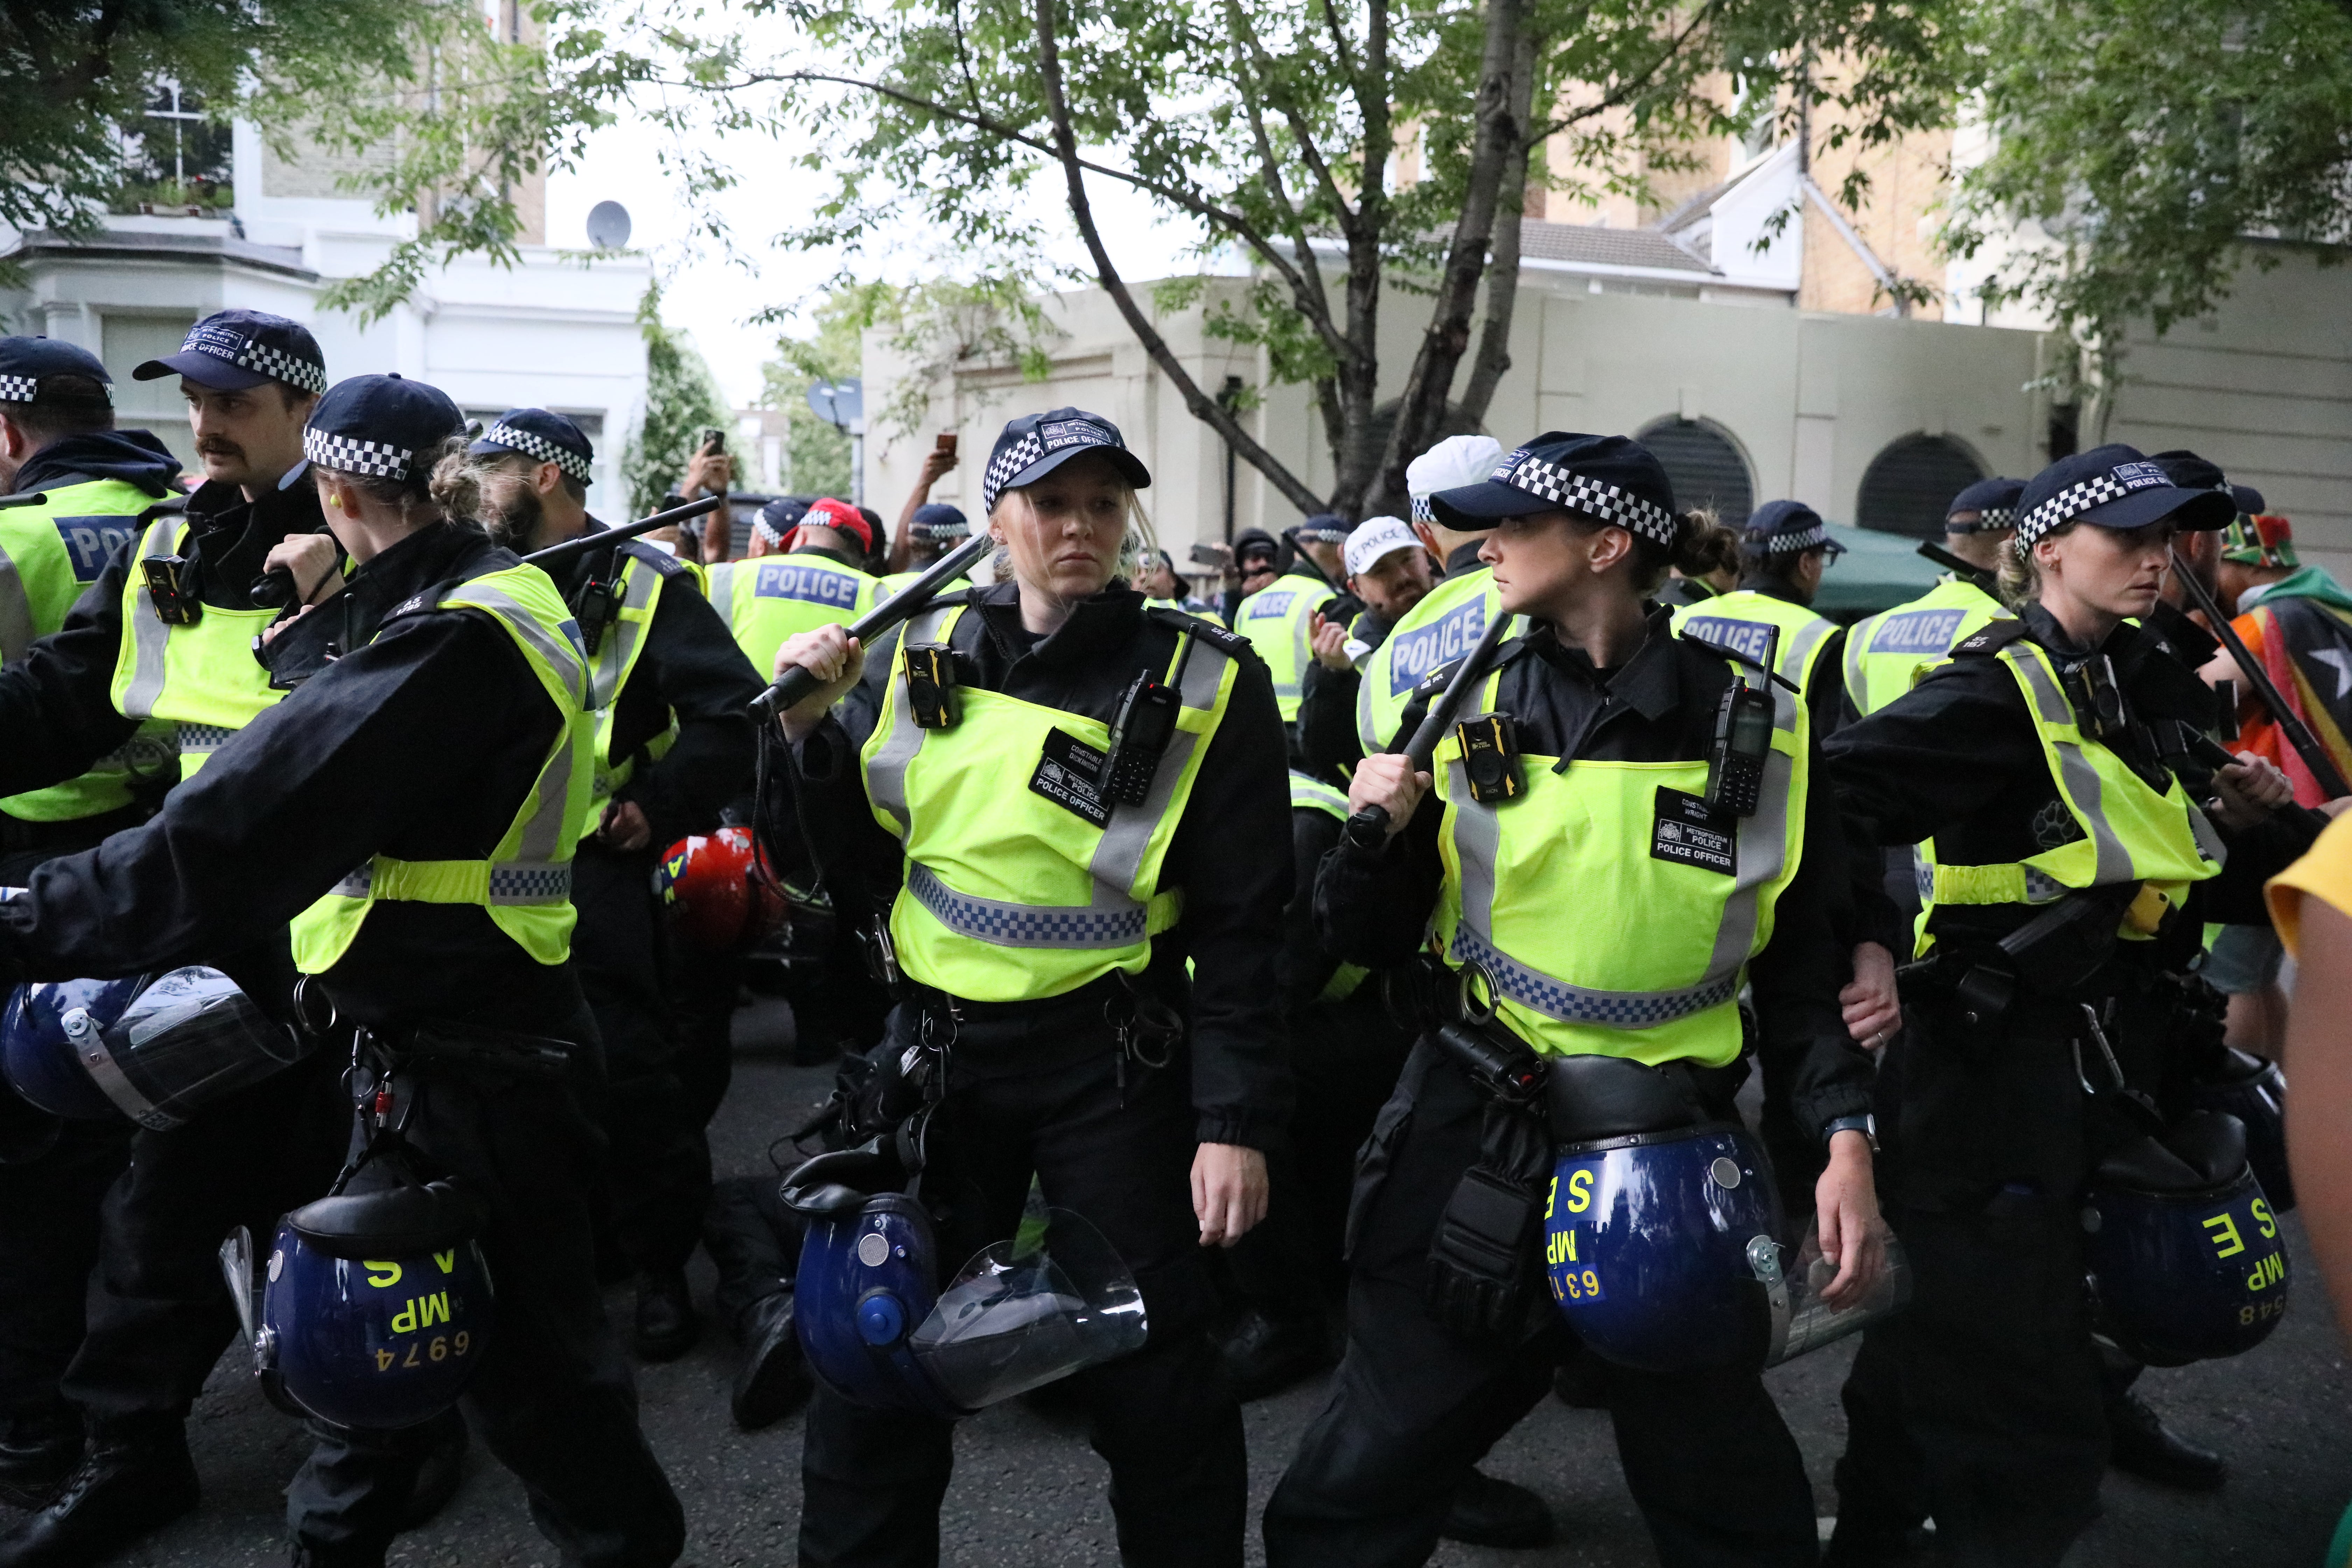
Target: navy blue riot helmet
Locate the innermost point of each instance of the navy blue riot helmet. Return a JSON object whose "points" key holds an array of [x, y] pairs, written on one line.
{"points": [[2253, 1089], [152, 1049], [2184, 1251], [377, 1306], [878, 1330]]}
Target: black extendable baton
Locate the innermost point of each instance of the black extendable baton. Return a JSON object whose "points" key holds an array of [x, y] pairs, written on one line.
{"points": [[1370, 826], [588, 541], [903, 606], [2298, 734]]}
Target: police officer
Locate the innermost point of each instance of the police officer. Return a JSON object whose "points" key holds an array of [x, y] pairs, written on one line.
{"points": [[920, 539], [1715, 561], [2044, 769], [163, 645], [1886, 653], [1784, 551], [1277, 618], [931, 530], [412, 807], [1043, 933], [78, 488], [1388, 574], [1576, 933], [673, 748]]}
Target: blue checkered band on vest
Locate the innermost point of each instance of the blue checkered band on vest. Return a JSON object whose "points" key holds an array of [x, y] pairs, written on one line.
{"points": [[529, 884], [1005, 465], [991, 921], [1594, 498], [1782, 544], [204, 737], [253, 354], [18, 388], [1571, 1005], [355, 884], [2068, 504], [533, 445], [350, 455]]}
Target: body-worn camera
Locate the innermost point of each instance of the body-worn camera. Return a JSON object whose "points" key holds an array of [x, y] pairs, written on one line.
{"points": [[931, 685], [171, 589], [1490, 757]]}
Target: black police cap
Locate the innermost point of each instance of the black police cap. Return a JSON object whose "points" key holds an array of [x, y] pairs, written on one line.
{"points": [[26, 363], [1035, 445], [235, 351], [1994, 502], [543, 437], [2115, 487], [1786, 527], [1612, 479], [374, 426]]}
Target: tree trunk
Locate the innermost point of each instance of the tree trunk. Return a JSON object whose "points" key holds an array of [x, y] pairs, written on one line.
{"points": [[1503, 89], [1494, 356]]}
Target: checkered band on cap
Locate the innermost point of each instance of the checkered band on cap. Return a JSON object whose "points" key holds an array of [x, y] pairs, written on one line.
{"points": [[350, 455], [1004, 467], [1594, 498], [2088, 494], [253, 354], [1805, 538], [1996, 516], [1422, 510], [18, 388], [533, 445]]}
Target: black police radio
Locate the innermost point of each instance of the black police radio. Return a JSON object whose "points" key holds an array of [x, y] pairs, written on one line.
{"points": [[1139, 735], [1742, 745]]}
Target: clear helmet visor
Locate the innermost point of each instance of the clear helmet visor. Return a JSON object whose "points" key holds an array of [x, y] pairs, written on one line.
{"points": [[1801, 1320], [1054, 1300], [187, 1039]]}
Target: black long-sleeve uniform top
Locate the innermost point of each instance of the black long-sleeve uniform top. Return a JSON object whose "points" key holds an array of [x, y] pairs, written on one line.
{"points": [[1231, 852], [419, 744], [57, 703], [1374, 906], [690, 667], [1956, 758]]}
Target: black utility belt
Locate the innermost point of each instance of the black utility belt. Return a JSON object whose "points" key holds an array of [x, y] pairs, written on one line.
{"points": [[1586, 1099], [440, 1042]]}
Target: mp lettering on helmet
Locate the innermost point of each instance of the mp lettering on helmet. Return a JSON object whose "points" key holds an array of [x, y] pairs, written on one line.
{"points": [[783, 580], [1744, 637], [1920, 631], [1444, 640], [89, 542]]}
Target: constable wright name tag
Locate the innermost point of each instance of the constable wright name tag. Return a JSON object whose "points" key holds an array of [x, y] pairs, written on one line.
{"points": [[1695, 833], [1065, 776]]}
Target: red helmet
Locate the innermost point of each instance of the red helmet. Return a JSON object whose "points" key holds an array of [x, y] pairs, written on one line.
{"points": [[719, 889]]}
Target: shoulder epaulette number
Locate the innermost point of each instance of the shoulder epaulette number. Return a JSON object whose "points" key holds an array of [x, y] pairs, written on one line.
{"points": [[1995, 636], [1230, 644], [660, 560]]}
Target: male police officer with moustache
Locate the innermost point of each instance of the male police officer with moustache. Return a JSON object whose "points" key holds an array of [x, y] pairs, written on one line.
{"points": [[76, 488], [673, 747], [166, 634]]}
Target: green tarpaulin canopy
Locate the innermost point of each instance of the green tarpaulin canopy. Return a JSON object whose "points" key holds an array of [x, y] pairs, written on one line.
{"points": [[1877, 572]]}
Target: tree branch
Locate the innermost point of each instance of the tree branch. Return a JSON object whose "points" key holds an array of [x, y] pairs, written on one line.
{"points": [[1494, 356], [1620, 94], [1200, 405]]}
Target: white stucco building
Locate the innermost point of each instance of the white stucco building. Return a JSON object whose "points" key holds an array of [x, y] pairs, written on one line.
{"points": [[555, 331]]}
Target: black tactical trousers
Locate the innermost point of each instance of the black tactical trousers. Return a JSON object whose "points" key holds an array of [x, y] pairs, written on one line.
{"points": [[553, 1398], [1981, 1405], [160, 1315], [660, 1159], [1710, 1463], [1162, 1417]]}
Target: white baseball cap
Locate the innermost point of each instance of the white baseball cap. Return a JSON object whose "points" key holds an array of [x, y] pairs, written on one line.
{"points": [[1453, 463], [1374, 540]]}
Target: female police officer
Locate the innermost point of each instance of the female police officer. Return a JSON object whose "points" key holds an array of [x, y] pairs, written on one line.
{"points": [[412, 807], [1049, 905], [2047, 761], [1614, 911]]}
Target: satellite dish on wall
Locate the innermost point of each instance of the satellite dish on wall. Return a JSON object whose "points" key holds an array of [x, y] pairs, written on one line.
{"points": [[608, 226], [840, 403]]}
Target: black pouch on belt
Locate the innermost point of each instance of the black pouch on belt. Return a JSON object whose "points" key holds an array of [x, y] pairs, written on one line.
{"points": [[1482, 1276]]}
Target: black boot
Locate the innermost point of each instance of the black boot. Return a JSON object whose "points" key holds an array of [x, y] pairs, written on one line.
{"points": [[38, 1450], [1490, 1512], [444, 1468], [1265, 1354], [2144, 1447], [667, 1326], [774, 1377], [126, 1487]]}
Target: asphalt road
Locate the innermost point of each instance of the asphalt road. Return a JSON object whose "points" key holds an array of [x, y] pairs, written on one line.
{"points": [[1028, 1491]]}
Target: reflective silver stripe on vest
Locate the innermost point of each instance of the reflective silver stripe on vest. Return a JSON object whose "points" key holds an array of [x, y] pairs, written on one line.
{"points": [[528, 878], [1800, 650], [149, 635], [621, 636], [886, 775], [563, 653], [1111, 921], [1119, 859], [2113, 862], [1857, 640], [1762, 851], [16, 612], [1364, 701]]}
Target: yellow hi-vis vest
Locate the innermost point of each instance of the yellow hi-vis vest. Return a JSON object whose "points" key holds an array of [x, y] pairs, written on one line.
{"points": [[1886, 653], [1744, 620], [1445, 625], [526, 882], [1009, 896], [202, 676], [2131, 831], [777, 596], [1612, 913], [642, 586], [1313, 794], [48, 555], [1276, 619]]}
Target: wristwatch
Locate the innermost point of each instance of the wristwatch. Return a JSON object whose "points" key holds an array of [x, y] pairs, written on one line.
{"points": [[1867, 1125]]}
